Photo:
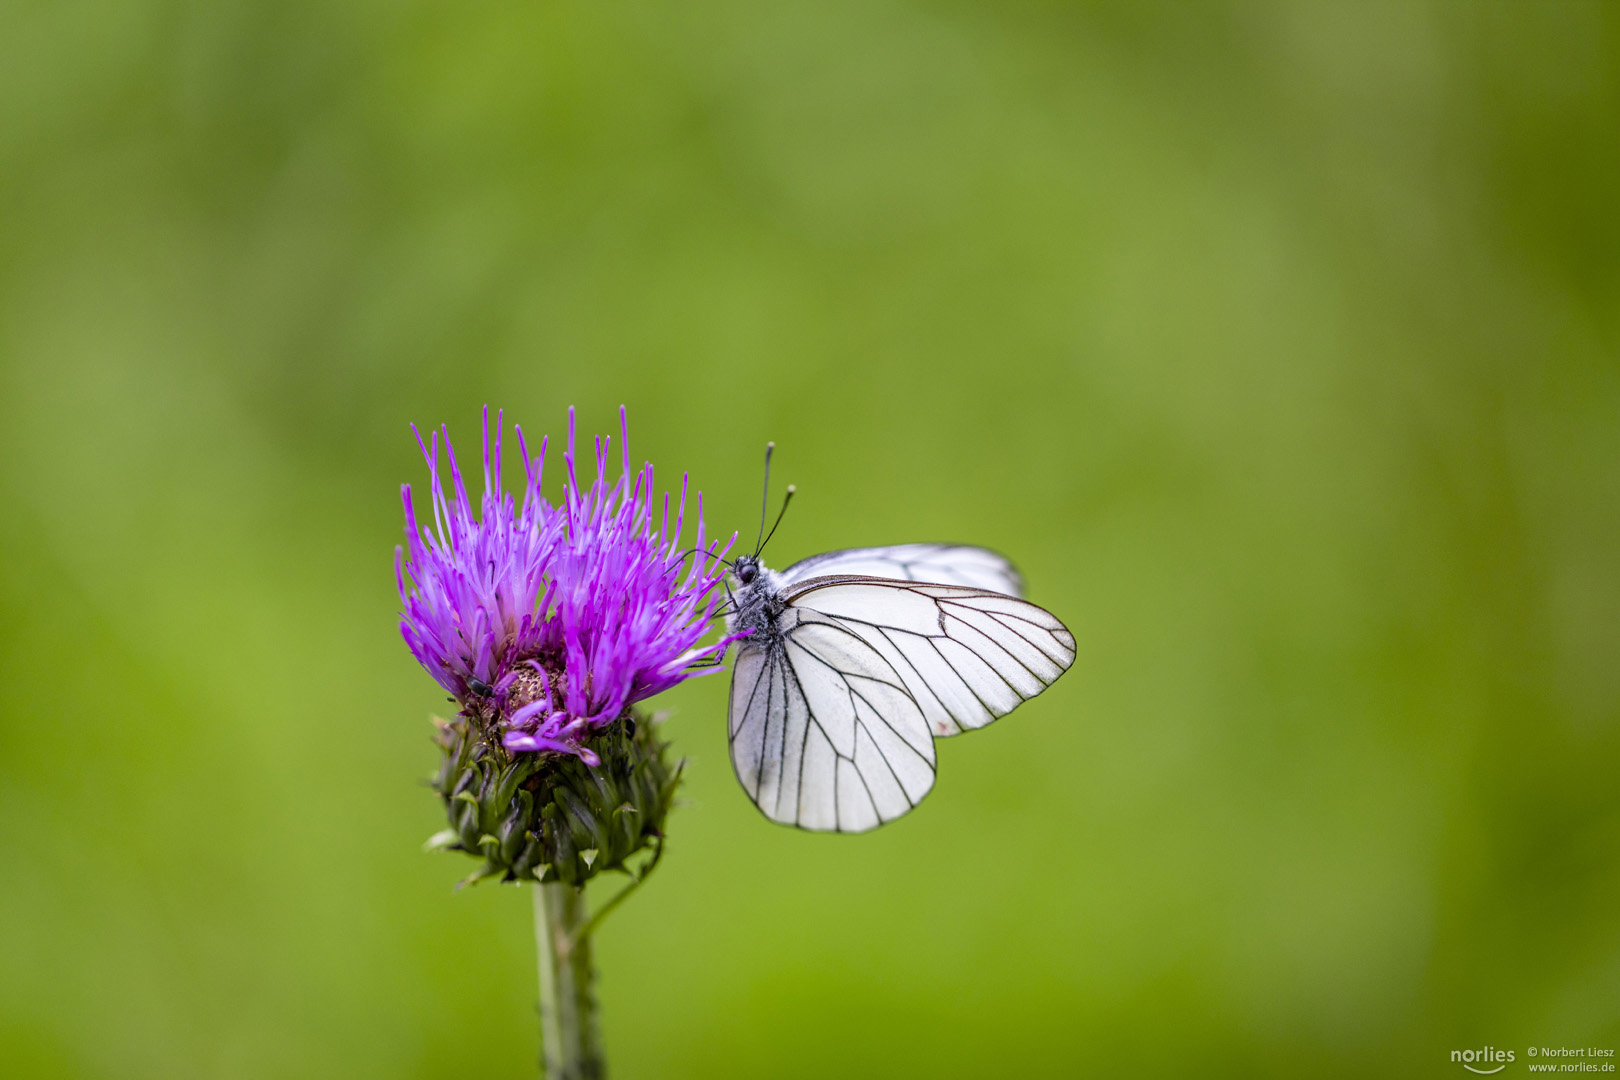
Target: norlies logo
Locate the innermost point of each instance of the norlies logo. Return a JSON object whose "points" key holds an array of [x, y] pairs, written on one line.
{"points": [[1485, 1061]]}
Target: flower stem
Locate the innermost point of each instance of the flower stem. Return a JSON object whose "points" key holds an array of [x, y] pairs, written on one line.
{"points": [[571, 1045]]}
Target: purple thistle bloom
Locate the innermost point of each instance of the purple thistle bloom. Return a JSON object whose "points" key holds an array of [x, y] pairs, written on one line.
{"points": [[560, 617]]}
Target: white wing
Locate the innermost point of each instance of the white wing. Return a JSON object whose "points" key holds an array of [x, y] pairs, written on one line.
{"points": [[966, 656], [824, 734], [942, 564]]}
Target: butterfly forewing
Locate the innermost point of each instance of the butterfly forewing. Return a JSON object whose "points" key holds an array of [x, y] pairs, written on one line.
{"points": [[966, 656], [945, 564]]}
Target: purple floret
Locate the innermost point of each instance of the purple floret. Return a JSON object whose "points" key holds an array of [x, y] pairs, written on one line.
{"points": [[555, 619]]}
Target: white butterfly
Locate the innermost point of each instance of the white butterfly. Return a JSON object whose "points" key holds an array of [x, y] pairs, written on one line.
{"points": [[855, 661]]}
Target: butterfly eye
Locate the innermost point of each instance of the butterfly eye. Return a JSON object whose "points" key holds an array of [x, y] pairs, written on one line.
{"points": [[747, 570]]}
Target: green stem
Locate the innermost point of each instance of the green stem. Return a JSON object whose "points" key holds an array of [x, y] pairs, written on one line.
{"points": [[571, 1044]]}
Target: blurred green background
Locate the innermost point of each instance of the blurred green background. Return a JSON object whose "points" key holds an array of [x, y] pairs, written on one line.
{"points": [[1277, 343]]}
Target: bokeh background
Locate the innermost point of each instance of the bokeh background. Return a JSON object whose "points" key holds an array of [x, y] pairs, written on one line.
{"points": [[1276, 342]]}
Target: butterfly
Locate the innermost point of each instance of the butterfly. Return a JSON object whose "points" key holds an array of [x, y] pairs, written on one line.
{"points": [[855, 660]]}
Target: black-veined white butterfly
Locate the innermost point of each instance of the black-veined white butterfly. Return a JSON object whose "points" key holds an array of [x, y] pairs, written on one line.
{"points": [[856, 660]]}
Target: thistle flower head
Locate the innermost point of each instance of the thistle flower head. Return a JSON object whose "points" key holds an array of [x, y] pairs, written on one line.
{"points": [[546, 622]]}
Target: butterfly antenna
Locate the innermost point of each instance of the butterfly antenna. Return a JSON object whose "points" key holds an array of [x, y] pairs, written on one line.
{"points": [[789, 498], [764, 500]]}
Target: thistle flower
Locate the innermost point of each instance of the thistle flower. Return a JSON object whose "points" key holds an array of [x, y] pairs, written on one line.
{"points": [[547, 624], [545, 621]]}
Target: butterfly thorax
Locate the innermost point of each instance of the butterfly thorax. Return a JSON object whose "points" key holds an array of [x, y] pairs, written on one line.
{"points": [[759, 600]]}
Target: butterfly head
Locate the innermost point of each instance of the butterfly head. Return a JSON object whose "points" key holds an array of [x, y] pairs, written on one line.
{"points": [[759, 601]]}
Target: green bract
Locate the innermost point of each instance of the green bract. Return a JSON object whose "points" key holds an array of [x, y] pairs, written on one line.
{"points": [[549, 816]]}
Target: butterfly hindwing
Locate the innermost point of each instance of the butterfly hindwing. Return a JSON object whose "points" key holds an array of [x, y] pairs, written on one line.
{"points": [[945, 564], [966, 656], [824, 733]]}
